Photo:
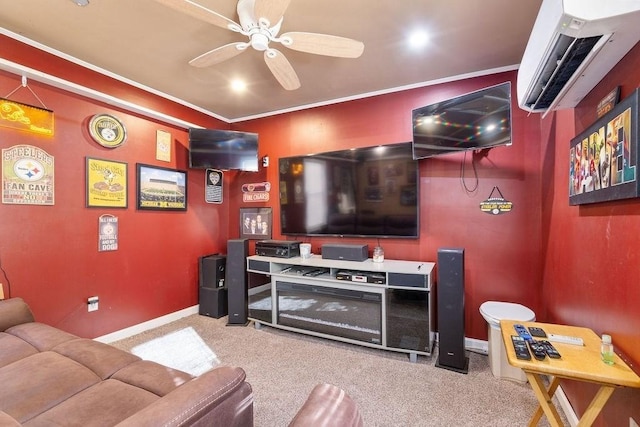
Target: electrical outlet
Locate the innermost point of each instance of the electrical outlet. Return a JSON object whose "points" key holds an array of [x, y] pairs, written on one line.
{"points": [[92, 304], [632, 422]]}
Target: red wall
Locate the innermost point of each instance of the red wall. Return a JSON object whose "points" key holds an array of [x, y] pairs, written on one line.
{"points": [[50, 253], [502, 253], [591, 274]]}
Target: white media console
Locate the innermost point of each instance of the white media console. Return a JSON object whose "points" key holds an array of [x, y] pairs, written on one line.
{"points": [[388, 305]]}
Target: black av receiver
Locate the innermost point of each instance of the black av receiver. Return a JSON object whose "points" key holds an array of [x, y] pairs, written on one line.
{"points": [[278, 248]]}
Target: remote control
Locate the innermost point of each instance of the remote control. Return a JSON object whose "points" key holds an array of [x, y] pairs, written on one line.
{"points": [[522, 331], [537, 332], [538, 350], [550, 349], [520, 346], [565, 339]]}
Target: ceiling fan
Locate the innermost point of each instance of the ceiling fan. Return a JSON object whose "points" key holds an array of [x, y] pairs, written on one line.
{"points": [[260, 21]]}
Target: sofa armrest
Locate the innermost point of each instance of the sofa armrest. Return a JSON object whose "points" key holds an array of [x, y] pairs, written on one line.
{"points": [[219, 397], [7, 420], [328, 406], [14, 311]]}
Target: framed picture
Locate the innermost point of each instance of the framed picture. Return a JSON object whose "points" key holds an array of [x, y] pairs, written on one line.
{"points": [[255, 223], [106, 183], [604, 158], [161, 188]]}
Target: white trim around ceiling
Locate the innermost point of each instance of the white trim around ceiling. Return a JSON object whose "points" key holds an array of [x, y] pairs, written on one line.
{"points": [[91, 93], [31, 74]]}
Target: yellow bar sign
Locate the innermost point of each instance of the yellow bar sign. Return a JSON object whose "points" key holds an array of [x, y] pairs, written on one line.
{"points": [[16, 115]]}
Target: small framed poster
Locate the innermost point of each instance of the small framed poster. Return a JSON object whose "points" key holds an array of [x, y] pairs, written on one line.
{"points": [[161, 188], [106, 183], [255, 223]]}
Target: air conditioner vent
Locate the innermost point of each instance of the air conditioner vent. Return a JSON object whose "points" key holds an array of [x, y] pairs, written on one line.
{"points": [[573, 45], [571, 52]]}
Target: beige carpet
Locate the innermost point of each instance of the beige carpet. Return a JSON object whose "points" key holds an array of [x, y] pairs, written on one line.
{"points": [[284, 366]]}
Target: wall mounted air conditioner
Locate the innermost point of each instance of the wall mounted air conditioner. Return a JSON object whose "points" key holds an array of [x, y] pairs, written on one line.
{"points": [[573, 45]]}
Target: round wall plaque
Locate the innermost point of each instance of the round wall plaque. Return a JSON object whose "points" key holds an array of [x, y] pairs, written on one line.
{"points": [[107, 131]]}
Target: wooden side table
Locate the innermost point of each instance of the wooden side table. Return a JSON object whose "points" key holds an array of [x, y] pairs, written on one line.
{"points": [[580, 363]]}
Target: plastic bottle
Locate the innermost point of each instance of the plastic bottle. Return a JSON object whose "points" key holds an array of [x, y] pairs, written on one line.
{"points": [[606, 350], [378, 254]]}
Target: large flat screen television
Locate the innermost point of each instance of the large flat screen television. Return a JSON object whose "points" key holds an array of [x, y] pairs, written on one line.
{"points": [[363, 192], [223, 149], [474, 121]]}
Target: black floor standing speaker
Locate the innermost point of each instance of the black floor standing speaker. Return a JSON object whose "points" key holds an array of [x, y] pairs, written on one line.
{"points": [[450, 290], [212, 295], [236, 281]]}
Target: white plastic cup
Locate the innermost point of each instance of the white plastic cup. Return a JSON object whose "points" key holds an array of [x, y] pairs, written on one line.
{"points": [[305, 250]]}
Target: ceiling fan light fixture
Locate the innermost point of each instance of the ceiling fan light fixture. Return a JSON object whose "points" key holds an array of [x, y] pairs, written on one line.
{"points": [[259, 42]]}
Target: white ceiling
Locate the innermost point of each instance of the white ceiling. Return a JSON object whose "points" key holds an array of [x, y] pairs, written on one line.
{"points": [[151, 44]]}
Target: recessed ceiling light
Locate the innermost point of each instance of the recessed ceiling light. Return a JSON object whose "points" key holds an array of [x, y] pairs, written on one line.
{"points": [[418, 39], [81, 2], [238, 85]]}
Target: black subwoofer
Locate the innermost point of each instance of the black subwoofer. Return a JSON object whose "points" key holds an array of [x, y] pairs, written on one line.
{"points": [[450, 289], [212, 302], [236, 281]]}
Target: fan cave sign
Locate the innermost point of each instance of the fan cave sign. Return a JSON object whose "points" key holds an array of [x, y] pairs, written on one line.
{"points": [[28, 176], [256, 192], [496, 205]]}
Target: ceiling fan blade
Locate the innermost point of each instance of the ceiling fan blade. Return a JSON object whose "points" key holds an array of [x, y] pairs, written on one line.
{"points": [[202, 13], [323, 44], [271, 10], [281, 69], [219, 54]]}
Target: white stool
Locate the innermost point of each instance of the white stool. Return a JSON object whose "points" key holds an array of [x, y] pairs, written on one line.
{"points": [[493, 312]]}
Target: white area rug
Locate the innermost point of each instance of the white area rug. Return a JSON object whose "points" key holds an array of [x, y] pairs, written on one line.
{"points": [[182, 349]]}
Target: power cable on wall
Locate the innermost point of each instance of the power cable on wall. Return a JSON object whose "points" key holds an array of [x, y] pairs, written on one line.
{"points": [[463, 182]]}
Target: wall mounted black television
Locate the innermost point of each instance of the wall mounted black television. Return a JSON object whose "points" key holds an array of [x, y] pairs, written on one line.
{"points": [[474, 121], [223, 149], [363, 192]]}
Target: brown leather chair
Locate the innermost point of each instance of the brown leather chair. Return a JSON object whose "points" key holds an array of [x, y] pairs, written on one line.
{"points": [[328, 406]]}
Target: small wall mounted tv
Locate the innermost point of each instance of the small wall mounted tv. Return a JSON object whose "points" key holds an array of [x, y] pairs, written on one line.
{"points": [[474, 121], [223, 149], [363, 192]]}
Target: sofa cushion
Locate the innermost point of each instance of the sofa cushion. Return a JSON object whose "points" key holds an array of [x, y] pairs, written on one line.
{"points": [[219, 397], [101, 358], [13, 348], [57, 379], [104, 404], [152, 376], [41, 336], [14, 311]]}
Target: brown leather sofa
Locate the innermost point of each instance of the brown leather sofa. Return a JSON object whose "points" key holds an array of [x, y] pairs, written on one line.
{"points": [[50, 377]]}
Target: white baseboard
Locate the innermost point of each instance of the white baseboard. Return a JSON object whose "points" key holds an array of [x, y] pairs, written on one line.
{"points": [[477, 346], [566, 407], [145, 326]]}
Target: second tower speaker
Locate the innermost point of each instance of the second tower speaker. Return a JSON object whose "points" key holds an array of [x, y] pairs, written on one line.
{"points": [[236, 280], [450, 289]]}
